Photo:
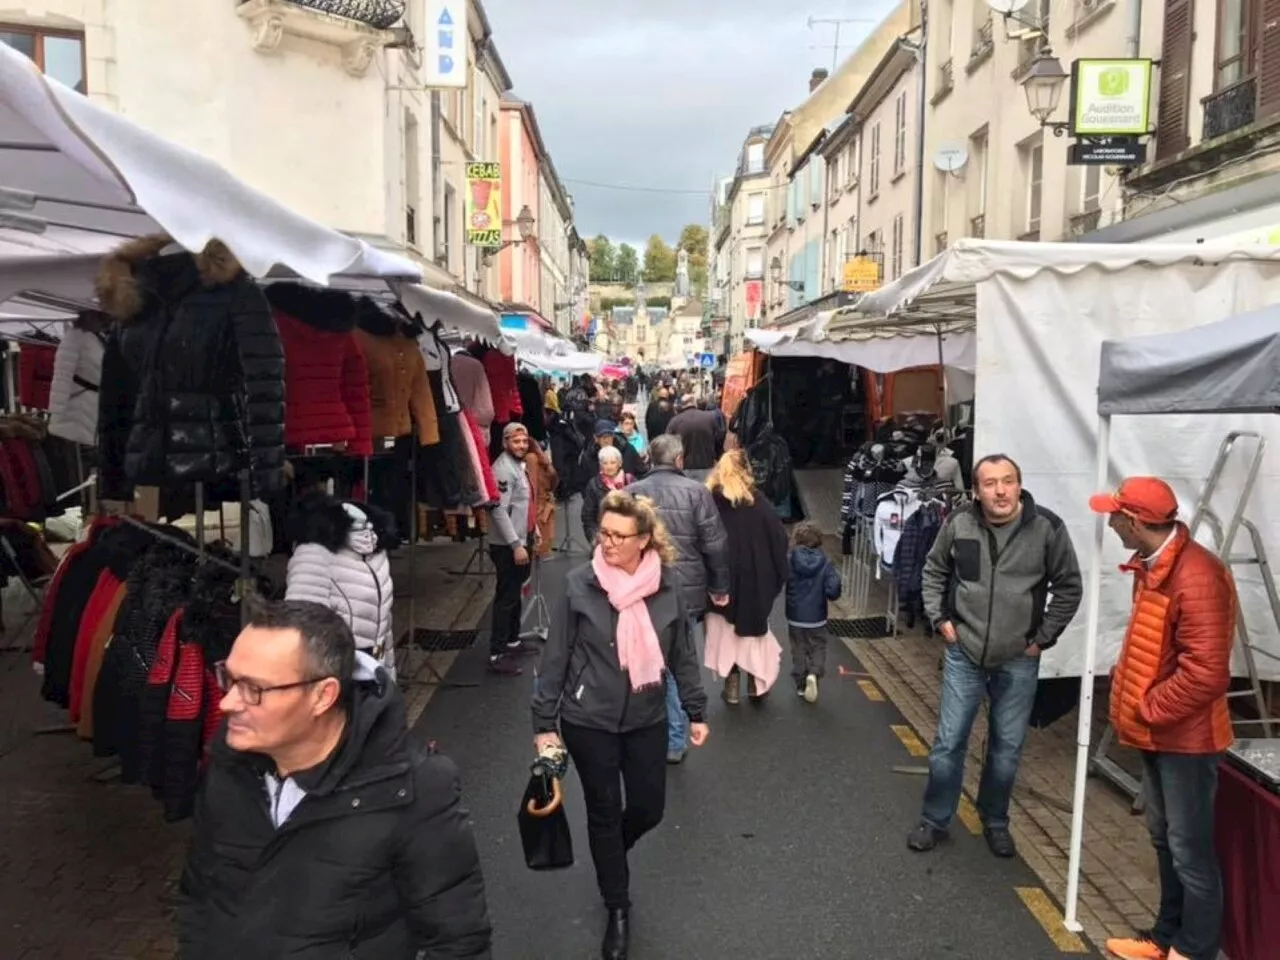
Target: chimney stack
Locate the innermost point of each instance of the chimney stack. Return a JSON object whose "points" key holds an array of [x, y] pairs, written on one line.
{"points": [[815, 81]]}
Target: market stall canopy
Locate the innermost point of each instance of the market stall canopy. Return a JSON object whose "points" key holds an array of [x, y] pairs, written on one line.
{"points": [[573, 362], [79, 168], [453, 312], [880, 350], [942, 293], [1232, 366]]}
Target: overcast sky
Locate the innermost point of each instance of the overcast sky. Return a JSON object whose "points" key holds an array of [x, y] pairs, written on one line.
{"points": [[660, 93]]}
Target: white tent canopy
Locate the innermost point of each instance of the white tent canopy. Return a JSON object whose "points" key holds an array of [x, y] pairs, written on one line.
{"points": [[454, 313], [92, 174], [574, 362], [1228, 367]]}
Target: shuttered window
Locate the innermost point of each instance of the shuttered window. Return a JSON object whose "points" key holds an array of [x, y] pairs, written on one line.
{"points": [[1269, 59], [1175, 79]]}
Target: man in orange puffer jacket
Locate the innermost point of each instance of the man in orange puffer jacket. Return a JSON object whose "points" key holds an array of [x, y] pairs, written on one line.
{"points": [[1169, 701]]}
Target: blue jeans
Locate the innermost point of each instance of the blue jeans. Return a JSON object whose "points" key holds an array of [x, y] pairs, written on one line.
{"points": [[677, 719], [1179, 791], [1012, 689]]}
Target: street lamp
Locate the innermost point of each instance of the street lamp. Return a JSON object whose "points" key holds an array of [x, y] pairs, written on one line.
{"points": [[525, 224], [775, 274], [525, 221], [1043, 85]]}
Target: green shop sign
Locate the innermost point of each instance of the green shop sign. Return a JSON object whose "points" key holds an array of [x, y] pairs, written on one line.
{"points": [[1110, 98]]}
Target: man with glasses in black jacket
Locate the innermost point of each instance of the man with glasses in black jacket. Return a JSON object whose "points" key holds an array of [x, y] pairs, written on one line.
{"points": [[320, 829]]}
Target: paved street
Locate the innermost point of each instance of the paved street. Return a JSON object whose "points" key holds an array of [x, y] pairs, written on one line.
{"points": [[784, 837]]}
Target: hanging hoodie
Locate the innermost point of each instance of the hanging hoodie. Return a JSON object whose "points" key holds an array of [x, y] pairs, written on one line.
{"points": [[435, 354], [892, 512], [73, 395], [340, 560]]}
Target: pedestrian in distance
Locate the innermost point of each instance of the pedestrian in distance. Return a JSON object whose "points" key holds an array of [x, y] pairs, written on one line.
{"points": [[688, 511], [618, 633], [511, 540], [609, 477], [1169, 702], [321, 830], [739, 641], [1000, 584], [812, 583]]}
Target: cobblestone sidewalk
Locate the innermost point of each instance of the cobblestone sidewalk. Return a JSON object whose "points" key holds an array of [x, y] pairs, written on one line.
{"points": [[88, 868], [1119, 891]]}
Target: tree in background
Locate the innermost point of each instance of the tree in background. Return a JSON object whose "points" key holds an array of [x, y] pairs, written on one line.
{"points": [[693, 241], [659, 261], [604, 265], [626, 265]]}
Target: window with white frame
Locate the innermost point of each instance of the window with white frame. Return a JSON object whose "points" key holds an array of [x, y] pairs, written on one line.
{"points": [[1033, 162], [755, 158], [447, 224], [754, 266], [1090, 188], [873, 184], [851, 162], [898, 241], [755, 208], [978, 153], [900, 134]]}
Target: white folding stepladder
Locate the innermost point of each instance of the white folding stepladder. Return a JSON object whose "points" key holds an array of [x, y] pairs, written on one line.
{"points": [[1224, 537]]}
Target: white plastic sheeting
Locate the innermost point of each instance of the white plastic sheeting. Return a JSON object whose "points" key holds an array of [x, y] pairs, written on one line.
{"points": [[96, 174], [1040, 332]]}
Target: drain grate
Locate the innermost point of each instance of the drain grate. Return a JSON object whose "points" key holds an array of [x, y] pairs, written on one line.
{"points": [[863, 628], [440, 641]]}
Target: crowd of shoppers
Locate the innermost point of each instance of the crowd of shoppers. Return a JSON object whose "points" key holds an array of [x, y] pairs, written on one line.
{"points": [[314, 785]]}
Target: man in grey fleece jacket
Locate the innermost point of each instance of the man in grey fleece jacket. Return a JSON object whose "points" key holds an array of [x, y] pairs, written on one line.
{"points": [[1000, 585], [509, 550]]}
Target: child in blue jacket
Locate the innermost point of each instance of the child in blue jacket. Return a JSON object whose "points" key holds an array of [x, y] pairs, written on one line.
{"points": [[812, 583]]}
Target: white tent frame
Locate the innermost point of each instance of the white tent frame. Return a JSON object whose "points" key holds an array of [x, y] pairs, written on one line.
{"points": [[1093, 589]]}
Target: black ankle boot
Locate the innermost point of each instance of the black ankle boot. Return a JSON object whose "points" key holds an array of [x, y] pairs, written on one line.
{"points": [[617, 935]]}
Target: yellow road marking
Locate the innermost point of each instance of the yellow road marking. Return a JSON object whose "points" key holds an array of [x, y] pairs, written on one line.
{"points": [[1042, 908], [871, 690], [914, 745], [968, 815]]}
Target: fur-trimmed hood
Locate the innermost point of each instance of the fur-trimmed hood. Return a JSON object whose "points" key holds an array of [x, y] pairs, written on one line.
{"points": [[372, 319], [324, 520], [135, 273], [333, 311]]}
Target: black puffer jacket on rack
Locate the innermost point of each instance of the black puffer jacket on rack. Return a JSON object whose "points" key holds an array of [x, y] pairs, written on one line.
{"points": [[193, 373], [158, 584]]}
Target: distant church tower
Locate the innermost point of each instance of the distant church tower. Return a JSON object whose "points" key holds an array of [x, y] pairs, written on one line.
{"points": [[682, 273]]}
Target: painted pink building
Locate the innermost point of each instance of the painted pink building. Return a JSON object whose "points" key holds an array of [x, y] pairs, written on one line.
{"points": [[521, 149]]}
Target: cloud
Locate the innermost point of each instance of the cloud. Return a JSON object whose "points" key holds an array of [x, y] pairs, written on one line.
{"points": [[659, 94]]}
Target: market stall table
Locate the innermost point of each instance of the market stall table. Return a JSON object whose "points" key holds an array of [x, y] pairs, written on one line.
{"points": [[1248, 842]]}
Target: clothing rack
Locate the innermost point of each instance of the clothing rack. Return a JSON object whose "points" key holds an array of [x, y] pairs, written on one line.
{"points": [[536, 608]]}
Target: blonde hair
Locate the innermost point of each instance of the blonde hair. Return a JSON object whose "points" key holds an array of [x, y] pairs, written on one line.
{"points": [[645, 515], [732, 479]]}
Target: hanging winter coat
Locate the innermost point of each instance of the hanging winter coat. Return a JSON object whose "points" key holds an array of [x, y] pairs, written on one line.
{"points": [[771, 466], [193, 375], [399, 393], [73, 395], [326, 378], [501, 371], [340, 560], [35, 374], [473, 388]]}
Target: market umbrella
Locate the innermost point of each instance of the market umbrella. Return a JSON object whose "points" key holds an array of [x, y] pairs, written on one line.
{"points": [[73, 165]]}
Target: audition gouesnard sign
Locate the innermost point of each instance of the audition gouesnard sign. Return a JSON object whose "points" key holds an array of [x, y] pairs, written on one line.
{"points": [[1110, 98], [484, 205]]}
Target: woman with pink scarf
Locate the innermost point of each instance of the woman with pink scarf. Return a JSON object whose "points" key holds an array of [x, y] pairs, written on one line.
{"points": [[600, 686]]}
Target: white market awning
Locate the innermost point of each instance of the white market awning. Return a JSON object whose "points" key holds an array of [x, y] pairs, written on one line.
{"points": [[454, 313], [99, 179]]}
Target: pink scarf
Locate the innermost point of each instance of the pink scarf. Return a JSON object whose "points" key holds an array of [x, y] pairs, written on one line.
{"points": [[639, 652]]}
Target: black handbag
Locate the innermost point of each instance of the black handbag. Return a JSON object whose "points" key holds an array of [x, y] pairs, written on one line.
{"points": [[544, 828]]}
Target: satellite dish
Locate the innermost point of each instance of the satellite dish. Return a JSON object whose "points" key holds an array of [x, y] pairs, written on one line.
{"points": [[951, 158], [1007, 7]]}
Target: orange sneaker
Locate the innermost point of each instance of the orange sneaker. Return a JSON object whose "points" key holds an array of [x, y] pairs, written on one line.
{"points": [[1139, 947]]}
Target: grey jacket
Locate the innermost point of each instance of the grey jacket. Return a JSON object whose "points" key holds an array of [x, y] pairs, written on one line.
{"points": [[1001, 603], [511, 515], [579, 678], [689, 512]]}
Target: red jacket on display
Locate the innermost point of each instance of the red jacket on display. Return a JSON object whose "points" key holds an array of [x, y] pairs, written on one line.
{"points": [[325, 374], [501, 371], [35, 374]]}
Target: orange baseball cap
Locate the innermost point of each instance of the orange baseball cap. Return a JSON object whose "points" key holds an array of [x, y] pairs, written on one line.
{"points": [[1146, 499]]}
